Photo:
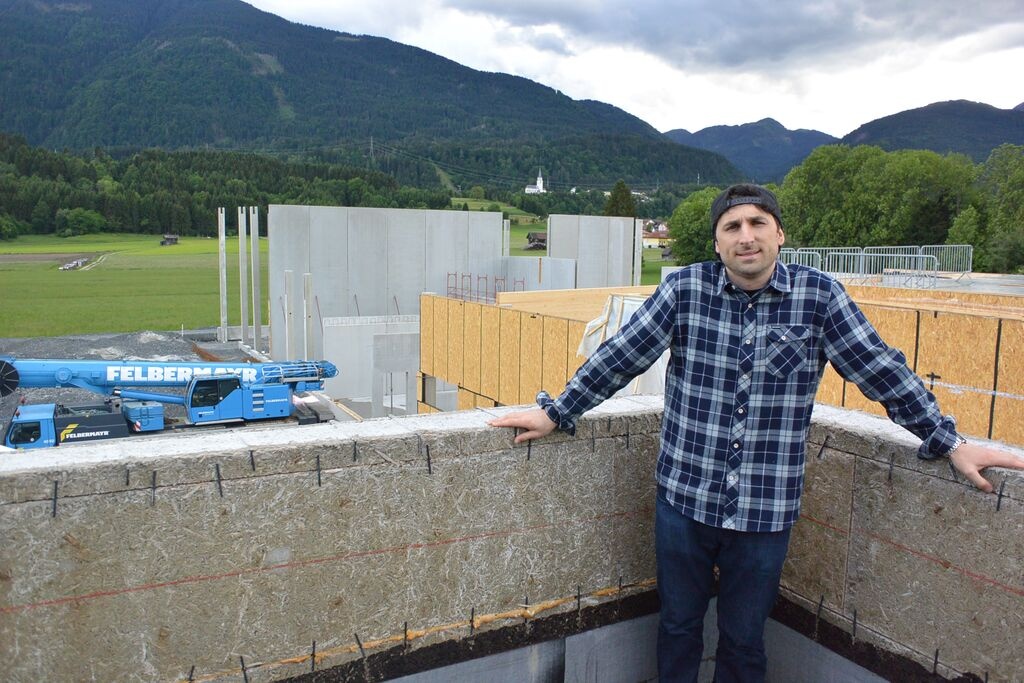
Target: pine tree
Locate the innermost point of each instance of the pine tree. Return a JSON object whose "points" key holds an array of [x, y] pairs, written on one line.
{"points": [[620, 201]]}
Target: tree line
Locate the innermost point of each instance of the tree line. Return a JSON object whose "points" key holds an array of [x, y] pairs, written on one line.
{"points": [[842, 196], [155, 192]]}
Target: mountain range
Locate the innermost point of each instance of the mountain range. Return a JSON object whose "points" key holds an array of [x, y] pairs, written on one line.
{"points": [[130, 74]]}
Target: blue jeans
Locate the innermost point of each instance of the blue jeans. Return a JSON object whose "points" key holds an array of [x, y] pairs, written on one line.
{"points": [[749, 564]]}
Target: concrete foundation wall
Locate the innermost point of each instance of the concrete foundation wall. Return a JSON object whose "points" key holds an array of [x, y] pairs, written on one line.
{"points": [[139, 559]]}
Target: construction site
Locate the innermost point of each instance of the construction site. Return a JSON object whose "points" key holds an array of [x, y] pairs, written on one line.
{"points": [[408, 540]]}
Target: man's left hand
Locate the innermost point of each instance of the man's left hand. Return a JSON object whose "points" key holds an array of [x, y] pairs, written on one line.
{"points": [[969, 459]]}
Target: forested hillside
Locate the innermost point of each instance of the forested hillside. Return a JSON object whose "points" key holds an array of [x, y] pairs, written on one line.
{"points": [[134, 74], [177, 192], [765, 150], [970, 128]]}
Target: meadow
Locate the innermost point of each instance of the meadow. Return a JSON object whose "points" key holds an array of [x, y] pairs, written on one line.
{"points": [[135, 285], [132, 283]]}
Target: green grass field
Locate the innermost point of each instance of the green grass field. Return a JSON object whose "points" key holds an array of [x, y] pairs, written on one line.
{"points": [[138, 285]]}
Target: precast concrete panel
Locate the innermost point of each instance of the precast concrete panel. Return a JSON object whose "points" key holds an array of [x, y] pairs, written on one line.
{"points": [[406, 267], [367, 261], [288, 250], [620, 251], [447, 242], [328, 260], [485, 243], [541, 272], [592, 255], [563, 236], [349, 344]]}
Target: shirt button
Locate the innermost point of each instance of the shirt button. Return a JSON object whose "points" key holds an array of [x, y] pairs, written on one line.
{"points": [[740, 411], [747, 342], [783, 339], [745, 376], [736, 444], [733, 478], [750, 305]]}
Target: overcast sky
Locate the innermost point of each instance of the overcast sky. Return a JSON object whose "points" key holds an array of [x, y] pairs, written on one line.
{"points": [[829, 65]]}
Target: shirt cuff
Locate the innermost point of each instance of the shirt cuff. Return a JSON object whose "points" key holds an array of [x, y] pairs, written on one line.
{"points": [[545, 401], [942, 440]]}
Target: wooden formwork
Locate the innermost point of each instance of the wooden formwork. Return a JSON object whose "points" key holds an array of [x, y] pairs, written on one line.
{"points": [[971, 359]]}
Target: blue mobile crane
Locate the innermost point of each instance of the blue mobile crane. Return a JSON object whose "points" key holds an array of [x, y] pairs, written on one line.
{"points": [[214, 393]]}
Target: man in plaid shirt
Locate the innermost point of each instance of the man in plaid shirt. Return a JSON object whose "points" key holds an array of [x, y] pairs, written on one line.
{"points": [[748, 339]]}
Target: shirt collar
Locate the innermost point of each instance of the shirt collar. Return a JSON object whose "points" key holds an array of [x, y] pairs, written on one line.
{"points": [[779, 280]]}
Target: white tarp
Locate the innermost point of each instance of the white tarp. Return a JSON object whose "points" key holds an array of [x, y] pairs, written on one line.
{"points": [[618, 309]]}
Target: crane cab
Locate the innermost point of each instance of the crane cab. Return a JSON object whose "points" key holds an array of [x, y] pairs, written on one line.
{"points": [[224, 398]]}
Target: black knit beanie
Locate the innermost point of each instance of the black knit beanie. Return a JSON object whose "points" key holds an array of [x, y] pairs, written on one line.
{"points": [[744, 193]]}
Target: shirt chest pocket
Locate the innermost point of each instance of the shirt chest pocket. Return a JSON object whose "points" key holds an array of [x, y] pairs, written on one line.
{"points": [[787, 349]]}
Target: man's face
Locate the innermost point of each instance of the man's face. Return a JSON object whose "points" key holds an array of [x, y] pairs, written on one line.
{"points": [[747, 239]]}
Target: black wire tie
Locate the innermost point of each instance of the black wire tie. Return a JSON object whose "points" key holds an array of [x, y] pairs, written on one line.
{"points": [[999, 500], [355, 450], [152, 490], [935, 663], [821, 451], [245, 674], [430, 467], [220, 486], [892, 462], [579, 598], [319, 479], [127, 477], [312, 658], [252, 460], [854, 626], [529, 448], [53, 507], [192, 674], [817, 615], [362, 652], [472, 620], [405, 636]]}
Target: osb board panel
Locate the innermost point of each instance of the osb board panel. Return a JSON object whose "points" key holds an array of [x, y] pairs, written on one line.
{"points": [[456, 340], [424, 408], [1008, 420], [482, 401], [897, 328], [419, 386], [980, 303], [465, 399], [441, 338], [510, 360], [471, 348], [575, 304], [531, 339], [972, 410], [1008, 411], [427, 334], [573, 359], [960, 349], [933, 564], [830, 390], [556, 332], [490, 349]]}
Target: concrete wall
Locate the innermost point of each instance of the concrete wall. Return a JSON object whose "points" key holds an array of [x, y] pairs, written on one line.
{"points": [[140, 559], [368, 262], [606, 248]]}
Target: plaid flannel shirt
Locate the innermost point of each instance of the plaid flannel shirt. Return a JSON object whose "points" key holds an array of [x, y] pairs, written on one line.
{"points": [[740, 385]]}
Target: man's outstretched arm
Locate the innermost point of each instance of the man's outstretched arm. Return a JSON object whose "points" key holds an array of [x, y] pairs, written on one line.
{"points": [[536, 423]]}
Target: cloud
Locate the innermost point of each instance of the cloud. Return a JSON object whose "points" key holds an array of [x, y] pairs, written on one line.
{"points": [[729, 34]]}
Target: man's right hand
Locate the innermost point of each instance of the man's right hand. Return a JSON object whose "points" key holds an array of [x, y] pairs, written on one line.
{"points": [[536, 423]]}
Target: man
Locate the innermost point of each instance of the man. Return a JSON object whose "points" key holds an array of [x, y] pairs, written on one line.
{"points": [[748, 338]]}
